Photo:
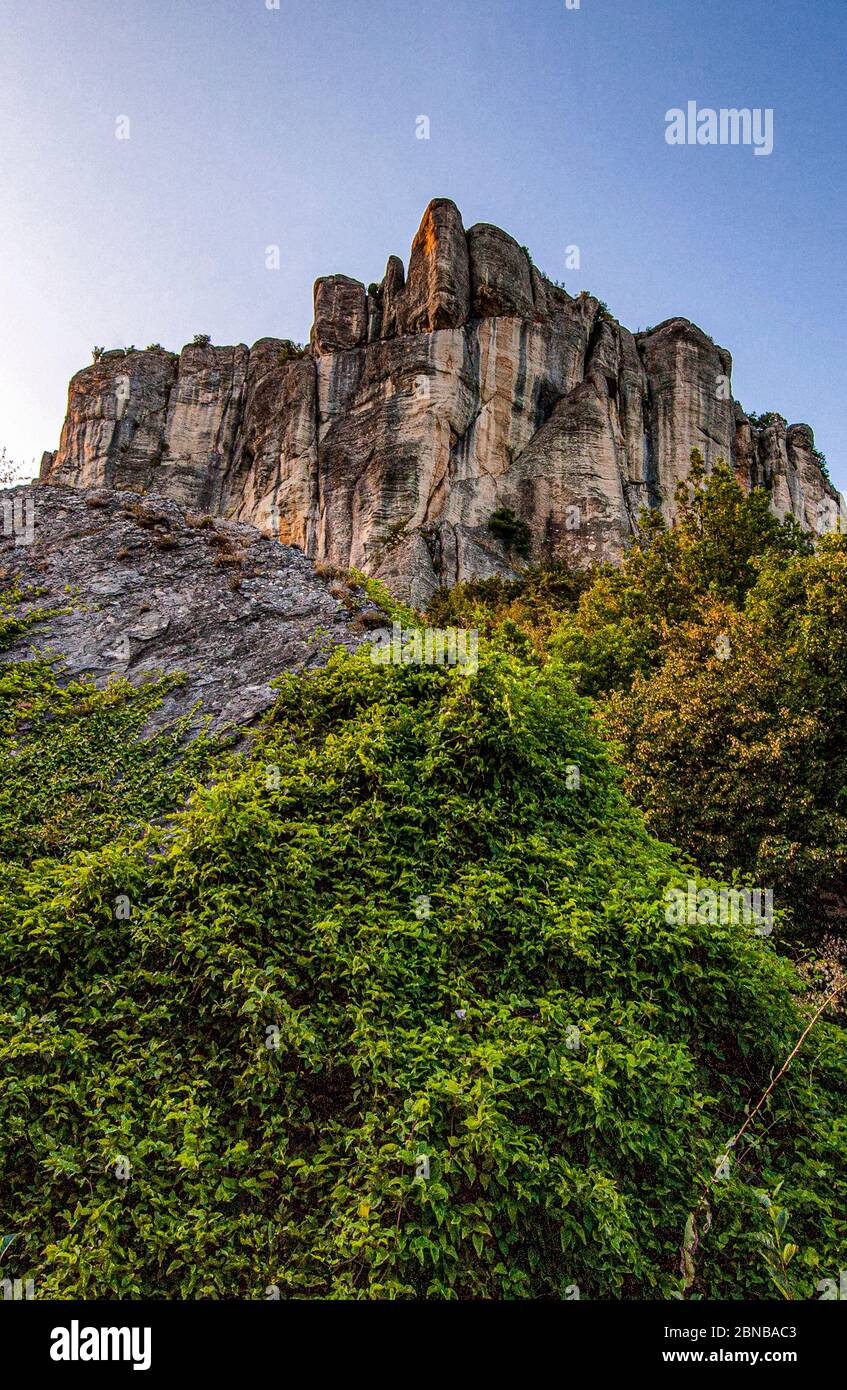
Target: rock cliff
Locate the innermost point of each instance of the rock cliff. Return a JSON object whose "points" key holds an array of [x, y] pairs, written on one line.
{"points": [[425, 404]]}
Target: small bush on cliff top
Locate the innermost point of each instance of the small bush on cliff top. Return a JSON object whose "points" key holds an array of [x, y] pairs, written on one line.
{"points": [[399, 932], [290, 351], [822, 464]]}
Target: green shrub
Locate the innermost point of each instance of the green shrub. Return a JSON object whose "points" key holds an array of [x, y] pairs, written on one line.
{"points": [[764, 421], [290, 351], [398, 932], [822, 463], [715, 654], [514, 533]]}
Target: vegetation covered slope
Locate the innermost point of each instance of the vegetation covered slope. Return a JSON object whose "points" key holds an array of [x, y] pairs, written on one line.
{"points": [[393, 1009]]}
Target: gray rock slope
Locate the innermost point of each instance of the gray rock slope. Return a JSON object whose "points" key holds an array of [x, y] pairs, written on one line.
{"points": [[150, 590]]}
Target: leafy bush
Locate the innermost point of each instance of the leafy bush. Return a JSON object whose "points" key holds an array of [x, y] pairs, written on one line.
{"points": [[514, 533], [290, 351], [397, 938], [764, 421], [77, 767], [712, 551], [715, 653], [822, 463], [735, 745], [524, 611]]}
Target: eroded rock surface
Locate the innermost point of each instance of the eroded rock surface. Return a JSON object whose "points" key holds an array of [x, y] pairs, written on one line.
{"points": [[154, 590], [427, 403]]}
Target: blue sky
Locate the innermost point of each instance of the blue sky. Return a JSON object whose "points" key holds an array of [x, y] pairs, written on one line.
{"points": [[252, 126]]}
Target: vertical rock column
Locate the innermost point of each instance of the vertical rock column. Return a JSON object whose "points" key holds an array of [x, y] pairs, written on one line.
{"points": [[204, 416], [114, 430], [690, 403]]}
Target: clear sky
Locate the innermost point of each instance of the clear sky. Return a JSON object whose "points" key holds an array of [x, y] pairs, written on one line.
{"points": [[253, 126]]}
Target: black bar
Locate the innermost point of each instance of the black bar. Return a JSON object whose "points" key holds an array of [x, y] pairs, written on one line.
{"points": [[301, 1341]]}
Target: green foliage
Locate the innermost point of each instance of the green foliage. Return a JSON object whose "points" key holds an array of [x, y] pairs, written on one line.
{"points": [[609, 624], [778, 1254], [243, 998], [19, 614], [201, 339], [76, 769], [521, 612], [508, 528], [716, 654], [710, 553], [735, 742], [822, 464], [457, 955], [380, 595], [764, 421], [291, 351]]}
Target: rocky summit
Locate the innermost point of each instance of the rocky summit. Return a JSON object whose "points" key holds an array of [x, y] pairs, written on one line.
{"points": [[447, 423]]}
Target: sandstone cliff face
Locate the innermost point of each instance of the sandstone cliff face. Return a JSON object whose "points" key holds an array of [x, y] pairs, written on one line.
{"points": [[689, 403], [423, 406]]}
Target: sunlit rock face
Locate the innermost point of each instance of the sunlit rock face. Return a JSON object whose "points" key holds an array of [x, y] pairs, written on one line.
{"points": [[424, 405]]}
